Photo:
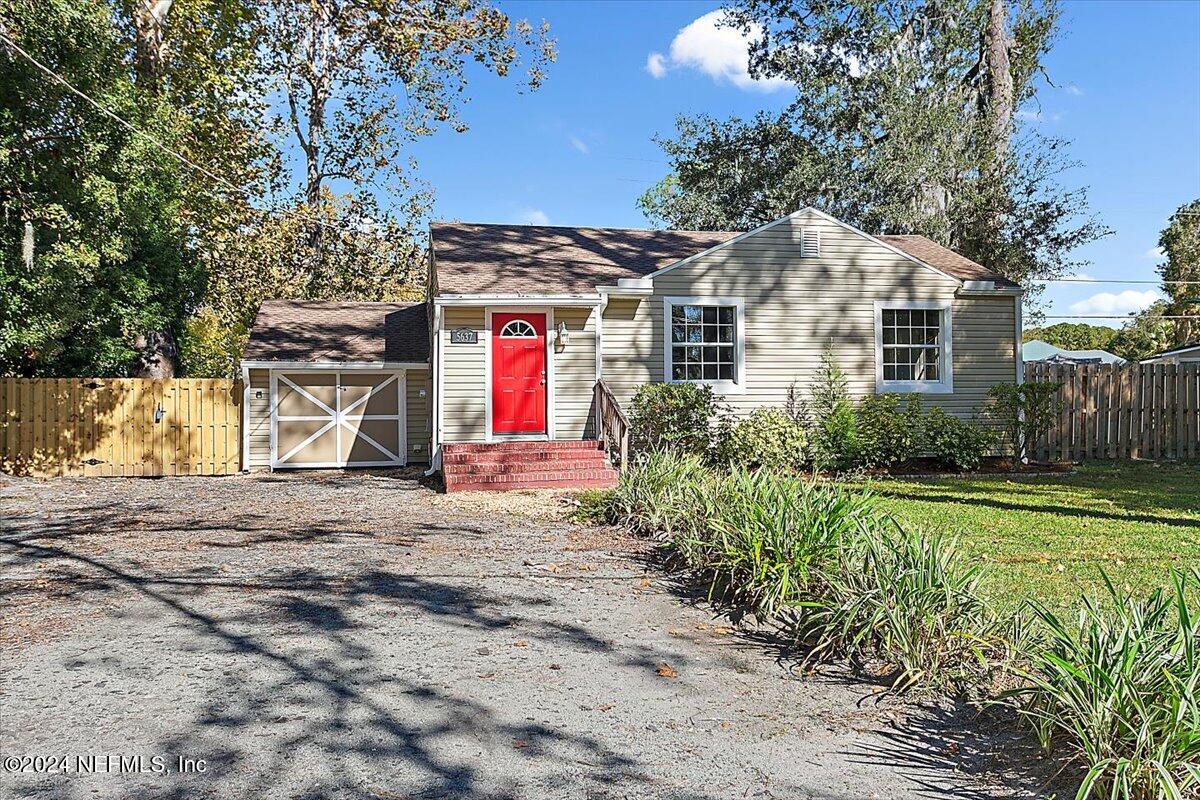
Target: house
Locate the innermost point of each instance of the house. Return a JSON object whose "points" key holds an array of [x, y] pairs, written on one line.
{"points": [[1187, 354], [498, 378], [1037, 350]]}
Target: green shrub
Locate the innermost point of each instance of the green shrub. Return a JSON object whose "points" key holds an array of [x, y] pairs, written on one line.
{"points": [[1121, 690], [768, 537], [957, 443], [660, 494], [768, 438], [1025, 412], [906, 600], [673, 416], [834, 429], [887, 433]]}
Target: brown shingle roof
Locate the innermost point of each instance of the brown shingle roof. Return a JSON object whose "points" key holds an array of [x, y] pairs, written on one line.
{"points": [[305, 330], [944, 258], [477, 258], [544, 259]]}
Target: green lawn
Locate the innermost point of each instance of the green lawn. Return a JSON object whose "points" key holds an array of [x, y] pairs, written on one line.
{"points": [[1048, 537]]}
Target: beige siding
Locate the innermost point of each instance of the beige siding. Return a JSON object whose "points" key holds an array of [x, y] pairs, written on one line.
{"points": [[418, 418], [574, 373], [258, 419], [795, 308], [465, 393], [464, 413]]}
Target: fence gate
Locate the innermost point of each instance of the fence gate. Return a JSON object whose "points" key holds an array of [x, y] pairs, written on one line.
{"points": [[1106, 411], [122, 426]]}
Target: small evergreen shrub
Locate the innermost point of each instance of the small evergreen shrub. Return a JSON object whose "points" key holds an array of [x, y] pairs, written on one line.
{"points": [[673, 416], [887, 432], [957, 443], [1025, 412], [768, 438], [834, 428]]}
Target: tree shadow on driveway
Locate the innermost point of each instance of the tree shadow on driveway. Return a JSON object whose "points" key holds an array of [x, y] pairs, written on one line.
{"points": [[299, 696]]}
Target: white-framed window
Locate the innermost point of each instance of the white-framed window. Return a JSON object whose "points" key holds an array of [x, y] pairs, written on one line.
{"points": [[703, 342], [913, 347]]}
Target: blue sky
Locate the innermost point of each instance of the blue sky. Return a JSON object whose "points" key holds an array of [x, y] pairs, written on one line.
{"points": [[580, 150]]}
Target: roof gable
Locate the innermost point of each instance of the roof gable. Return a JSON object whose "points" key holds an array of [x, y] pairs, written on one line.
{"points": [[544, 259]]}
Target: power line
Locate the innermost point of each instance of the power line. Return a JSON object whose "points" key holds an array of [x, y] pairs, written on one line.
{"points": [[1120, 316], [1121, 280], [154, 139]]}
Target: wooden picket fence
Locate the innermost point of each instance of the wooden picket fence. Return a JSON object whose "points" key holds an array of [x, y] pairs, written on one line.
{"points": [[119, 427], [1104, 411]]}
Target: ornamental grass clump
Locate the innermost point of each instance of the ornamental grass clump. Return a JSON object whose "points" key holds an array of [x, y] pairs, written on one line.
{"points": [[770, 537], [905, 602], [1119, 690], [663, 494]]}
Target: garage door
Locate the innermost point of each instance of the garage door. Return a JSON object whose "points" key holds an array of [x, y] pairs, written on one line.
{"points": [[338, 419]]}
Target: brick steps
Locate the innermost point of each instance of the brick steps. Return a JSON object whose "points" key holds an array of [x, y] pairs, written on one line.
{"points": [[504, 466]]}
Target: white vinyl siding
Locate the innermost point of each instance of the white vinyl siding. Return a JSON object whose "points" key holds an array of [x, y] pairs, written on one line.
{"points": [[795, 308]]}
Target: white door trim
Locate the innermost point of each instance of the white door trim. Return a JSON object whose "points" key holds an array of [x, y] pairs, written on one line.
{"points": [[339, 417], [489, 436]]}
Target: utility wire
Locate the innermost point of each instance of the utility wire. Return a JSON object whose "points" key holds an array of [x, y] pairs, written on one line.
{"points": [[154, 139]]}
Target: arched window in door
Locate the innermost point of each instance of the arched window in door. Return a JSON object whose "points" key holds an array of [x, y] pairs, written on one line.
{"points": [[518, 329]]}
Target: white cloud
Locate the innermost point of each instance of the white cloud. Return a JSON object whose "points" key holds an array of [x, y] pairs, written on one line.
{"points": [[579, 144], [533, 216], [1072, 89], [1126, 302], [1155, 253], [719, 52], [656, 65]]}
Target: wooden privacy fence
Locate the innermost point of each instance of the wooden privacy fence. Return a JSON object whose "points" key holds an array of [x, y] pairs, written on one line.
{"points": [[124, 426], [1105, 411]]}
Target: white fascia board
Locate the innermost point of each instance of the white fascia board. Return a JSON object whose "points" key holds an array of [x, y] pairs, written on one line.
{"points": [[303, 365], [518, 299], [625, 291]]}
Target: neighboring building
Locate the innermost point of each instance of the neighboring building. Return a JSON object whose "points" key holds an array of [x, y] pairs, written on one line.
{"points": [[1037, 350], [525, 320], [1187, 354]]}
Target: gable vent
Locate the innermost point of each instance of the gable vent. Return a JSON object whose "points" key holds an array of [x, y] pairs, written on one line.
{"points": [[810, 243]]}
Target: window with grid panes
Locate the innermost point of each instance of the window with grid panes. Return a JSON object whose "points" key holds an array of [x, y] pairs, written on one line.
{"points": [[702, 343], [912, 346]]}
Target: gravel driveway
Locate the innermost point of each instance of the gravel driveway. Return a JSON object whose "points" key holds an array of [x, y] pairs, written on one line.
{"points": [[357, 635]]}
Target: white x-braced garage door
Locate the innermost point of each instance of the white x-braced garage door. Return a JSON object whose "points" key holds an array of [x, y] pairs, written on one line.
{"points": [[338, 419]]}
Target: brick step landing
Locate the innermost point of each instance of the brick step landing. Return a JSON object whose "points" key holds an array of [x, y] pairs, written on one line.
{"points": [[526, 465]]}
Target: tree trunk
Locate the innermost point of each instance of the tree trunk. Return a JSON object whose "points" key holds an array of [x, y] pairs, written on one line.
{"points": [[996, 104], [155, 354], [156, 350], [149, 19]]}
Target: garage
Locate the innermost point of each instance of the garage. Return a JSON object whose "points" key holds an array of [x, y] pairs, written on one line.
{"points": [[329, 418], [334, 385]]}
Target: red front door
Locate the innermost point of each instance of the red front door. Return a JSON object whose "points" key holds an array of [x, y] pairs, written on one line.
{"points": [[518, 373]]}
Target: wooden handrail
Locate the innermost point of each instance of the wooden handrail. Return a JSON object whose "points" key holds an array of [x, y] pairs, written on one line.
{"points": [[612, 424]]}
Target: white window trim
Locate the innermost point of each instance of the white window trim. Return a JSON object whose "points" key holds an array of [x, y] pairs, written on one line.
{"points": [[549, 434], [946, 365], [739, 337]]}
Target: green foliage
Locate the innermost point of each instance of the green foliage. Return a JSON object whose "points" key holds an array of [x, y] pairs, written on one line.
{"points": [[955, 442], [1024, 411], [673, 416], [834, 434], [894, 130], [1145, 334], [1119, 689], [769, 538], [768, 437], [1073, 336], [907, 600], [661, 493], [887, 432], [1180, 241]]}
